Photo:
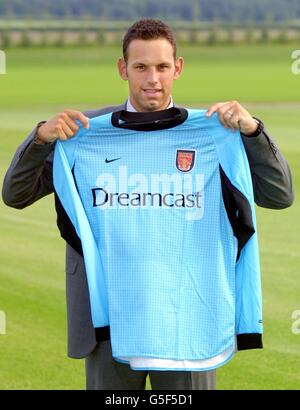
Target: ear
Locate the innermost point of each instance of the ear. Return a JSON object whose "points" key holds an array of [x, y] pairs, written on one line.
{"points": [[122, 68], [179, 64]]}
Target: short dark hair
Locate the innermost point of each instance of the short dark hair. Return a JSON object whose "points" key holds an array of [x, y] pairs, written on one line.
{"points": [[148, 29]]}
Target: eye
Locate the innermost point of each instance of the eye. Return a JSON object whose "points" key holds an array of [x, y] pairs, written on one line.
{"points": [[140, 67], [163, 66]]}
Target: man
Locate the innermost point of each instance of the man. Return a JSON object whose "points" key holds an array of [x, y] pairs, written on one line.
{"points": [[150, 66]]}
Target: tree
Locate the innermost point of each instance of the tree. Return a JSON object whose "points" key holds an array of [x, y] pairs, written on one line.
{"points": [[129, 10]]}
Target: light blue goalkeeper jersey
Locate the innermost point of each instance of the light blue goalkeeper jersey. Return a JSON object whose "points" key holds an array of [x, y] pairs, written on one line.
{"points": [[167, 226]]}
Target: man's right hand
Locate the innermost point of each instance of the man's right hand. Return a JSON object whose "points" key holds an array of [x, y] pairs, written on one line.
{"points": [[62, 126]]}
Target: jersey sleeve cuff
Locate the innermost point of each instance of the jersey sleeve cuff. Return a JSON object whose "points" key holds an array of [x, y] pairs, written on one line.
{"points": [[249, 341]]}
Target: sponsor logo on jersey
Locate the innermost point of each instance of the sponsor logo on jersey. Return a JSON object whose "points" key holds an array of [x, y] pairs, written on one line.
{"points": [[155, 191]]}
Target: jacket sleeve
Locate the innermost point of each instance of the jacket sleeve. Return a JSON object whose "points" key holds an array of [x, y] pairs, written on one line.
{"points": [[271, 175], [29, 176]]}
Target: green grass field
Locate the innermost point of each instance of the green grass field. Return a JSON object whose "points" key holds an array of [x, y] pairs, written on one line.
{"points": [[38, 84]]}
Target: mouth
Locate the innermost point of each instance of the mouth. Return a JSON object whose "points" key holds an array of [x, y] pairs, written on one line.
{"points": [[152, 91]]}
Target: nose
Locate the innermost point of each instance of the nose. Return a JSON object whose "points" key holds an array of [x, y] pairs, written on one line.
{"points": [[152, 75]]}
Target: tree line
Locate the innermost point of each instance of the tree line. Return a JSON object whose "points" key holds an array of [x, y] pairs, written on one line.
{"points": [[231, 11]]}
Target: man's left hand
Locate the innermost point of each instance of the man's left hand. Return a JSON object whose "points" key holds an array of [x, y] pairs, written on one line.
{"points": [[233, 115]]}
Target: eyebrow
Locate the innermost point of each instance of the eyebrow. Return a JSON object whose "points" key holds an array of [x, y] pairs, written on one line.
{"points": [[136, 63]]}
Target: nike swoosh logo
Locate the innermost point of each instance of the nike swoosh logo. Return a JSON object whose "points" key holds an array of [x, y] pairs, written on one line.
{"points": [[111, 160]]}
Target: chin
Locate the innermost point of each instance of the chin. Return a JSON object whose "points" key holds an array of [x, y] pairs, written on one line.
{"points": [[154, 106]]}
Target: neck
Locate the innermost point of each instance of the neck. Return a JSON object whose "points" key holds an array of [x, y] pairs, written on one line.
{"points": [[130, 106]]}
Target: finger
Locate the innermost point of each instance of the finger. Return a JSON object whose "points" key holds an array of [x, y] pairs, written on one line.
{"points": [[59, 132], [67, 130], [213, 108], [225, 113], [226, 118], [64, 118], [61, 135], [234, 122], [72, 125], [62, 124], [228, 106], [78, 115]]}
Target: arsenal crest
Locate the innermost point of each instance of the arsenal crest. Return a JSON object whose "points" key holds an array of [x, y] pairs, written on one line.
{"points": [[185, 159]]}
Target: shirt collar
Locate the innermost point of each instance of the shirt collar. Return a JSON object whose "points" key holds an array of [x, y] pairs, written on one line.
{"points": [[129, 106]]}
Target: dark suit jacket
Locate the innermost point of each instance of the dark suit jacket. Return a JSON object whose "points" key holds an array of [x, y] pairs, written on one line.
{"points": [[29, 178]]}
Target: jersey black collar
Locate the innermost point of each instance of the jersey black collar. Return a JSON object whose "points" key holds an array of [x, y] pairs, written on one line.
{"points": [[149, 121]]}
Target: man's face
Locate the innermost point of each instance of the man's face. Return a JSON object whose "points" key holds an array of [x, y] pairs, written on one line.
{"points": [[150, 71]]}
